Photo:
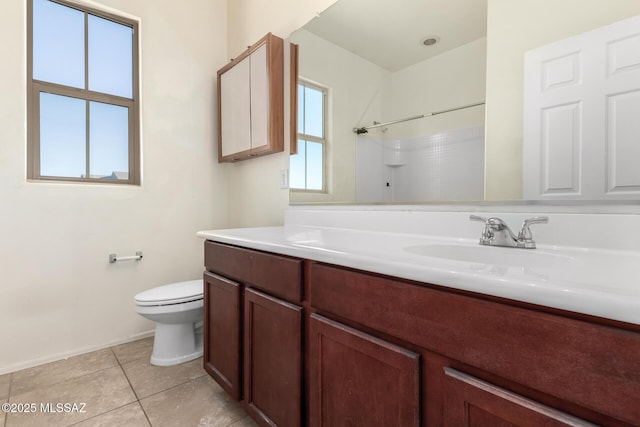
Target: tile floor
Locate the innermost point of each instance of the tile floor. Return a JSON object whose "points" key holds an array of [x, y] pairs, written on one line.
{"points": [[118, 387]]}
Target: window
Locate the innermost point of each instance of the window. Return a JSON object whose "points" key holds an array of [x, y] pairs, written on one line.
{"points": [[83, 122], [307, 167]]}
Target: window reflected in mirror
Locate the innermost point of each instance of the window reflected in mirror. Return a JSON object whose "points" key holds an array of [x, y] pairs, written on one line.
{"points": [[307, 167]]}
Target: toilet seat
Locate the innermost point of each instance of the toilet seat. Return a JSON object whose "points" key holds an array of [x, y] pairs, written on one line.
{"points": [[175, 293]]}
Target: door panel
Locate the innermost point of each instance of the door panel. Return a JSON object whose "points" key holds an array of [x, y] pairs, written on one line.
{"points": [[272, 359], [581, 98], [472, 402], [358, 379], [222, 332]]}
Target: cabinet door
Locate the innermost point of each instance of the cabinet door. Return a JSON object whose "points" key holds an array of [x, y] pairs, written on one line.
{"points": [[222, 332], [359, 380], [259, 99], [472, 402], [235, 109], [272, 359]]}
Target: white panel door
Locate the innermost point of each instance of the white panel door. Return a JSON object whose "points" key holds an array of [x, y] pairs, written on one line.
{"points": [[235, 123], [259, 98], [582, 116], [622, 146]]}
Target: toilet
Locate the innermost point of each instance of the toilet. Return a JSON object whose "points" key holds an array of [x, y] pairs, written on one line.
{"points": [[177, 310]]}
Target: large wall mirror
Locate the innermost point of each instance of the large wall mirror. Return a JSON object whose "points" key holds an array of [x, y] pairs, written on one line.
{"points": [[370, 70]]}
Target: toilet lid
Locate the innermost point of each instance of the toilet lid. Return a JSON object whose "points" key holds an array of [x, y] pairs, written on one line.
{"points": [[174, 293]]}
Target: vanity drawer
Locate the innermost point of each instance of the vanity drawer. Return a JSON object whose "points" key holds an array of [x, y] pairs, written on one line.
{"points": [[278, 275], [528, 347]]}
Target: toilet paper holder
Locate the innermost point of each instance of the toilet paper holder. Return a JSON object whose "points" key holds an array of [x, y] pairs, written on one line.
{"points": [[115, 258]]}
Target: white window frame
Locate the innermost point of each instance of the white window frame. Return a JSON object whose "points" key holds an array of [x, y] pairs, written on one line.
{"points": [[323, 141]]}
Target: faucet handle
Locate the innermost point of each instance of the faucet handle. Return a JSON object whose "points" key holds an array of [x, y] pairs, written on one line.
{"points": [[486, 231], [525, 238], [478, 218]]}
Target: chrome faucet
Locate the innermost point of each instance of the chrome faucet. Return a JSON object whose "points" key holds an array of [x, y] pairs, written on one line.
{"points": [[497, 233]]}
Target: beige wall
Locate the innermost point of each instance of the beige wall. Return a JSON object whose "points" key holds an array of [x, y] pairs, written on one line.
{"points": [[255, 196], [451, 79], [514, 27], [58, 294], [249, 20]]}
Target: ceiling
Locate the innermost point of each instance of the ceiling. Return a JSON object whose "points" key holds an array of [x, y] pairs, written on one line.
{"points": [[359, 27]]}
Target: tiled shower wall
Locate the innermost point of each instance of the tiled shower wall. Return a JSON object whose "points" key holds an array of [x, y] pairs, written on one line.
{"points": [[447, 165]]}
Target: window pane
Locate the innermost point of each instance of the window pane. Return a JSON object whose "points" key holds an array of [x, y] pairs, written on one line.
{"points": [[110, 57], [62, 136], [314, 166], [313, 114], [297, 167], [109, 141], [58, 44]]}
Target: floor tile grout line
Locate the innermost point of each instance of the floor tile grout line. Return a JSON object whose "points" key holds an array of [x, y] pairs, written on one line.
{"points": [[124, 372], [10, 386], [172, 387], [132, 389], [162, 391]]}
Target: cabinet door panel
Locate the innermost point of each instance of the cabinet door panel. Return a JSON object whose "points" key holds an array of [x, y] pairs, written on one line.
{"points": [[272, 359], [472, 402], [222, 332], [358, 379], [259, 98], [235, 109]]}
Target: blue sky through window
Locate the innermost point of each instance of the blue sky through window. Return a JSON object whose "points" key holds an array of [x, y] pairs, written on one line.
{"points": [[297, 173], [58, 44], [109, 140], [314, 165], [313, 112], [110, 57], [62, 136], [59, 57], [306, 168]]}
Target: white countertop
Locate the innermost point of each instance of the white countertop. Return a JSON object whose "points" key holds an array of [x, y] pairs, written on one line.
{"points": [[598, 281]]}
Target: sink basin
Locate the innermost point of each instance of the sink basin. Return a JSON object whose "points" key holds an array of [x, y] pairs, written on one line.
{"points": [[508, 257]]}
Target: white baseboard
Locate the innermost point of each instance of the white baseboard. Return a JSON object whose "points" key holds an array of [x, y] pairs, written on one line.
{"points": [[65, 355]]}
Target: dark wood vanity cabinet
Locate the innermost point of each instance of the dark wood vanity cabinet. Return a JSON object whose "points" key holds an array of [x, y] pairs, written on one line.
{"points": [[253, 330], [483, 361], [362, 349]]}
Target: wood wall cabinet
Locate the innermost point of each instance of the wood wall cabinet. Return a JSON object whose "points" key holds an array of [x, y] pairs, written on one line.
{"points": [[251, 102], [253, 331]]}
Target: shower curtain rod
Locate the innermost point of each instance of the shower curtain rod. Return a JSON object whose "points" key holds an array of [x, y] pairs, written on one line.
{"points": [[365, 129]]}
